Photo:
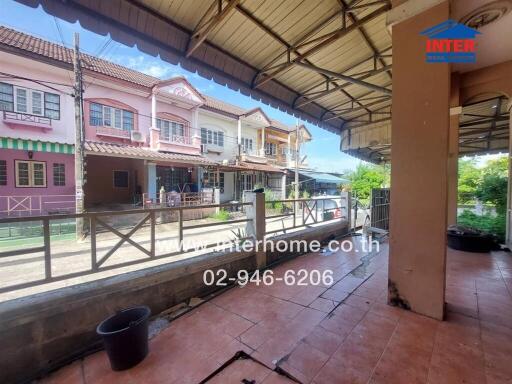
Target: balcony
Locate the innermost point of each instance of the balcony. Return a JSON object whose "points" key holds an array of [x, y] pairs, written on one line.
{"points": [[112, 132], [27, 120], [176, 139]]}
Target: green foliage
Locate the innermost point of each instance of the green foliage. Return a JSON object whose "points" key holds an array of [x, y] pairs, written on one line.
{"points": [[487, 223], [366, 177], [305, 194], [221, 215], [493, 186], [469, 178]]}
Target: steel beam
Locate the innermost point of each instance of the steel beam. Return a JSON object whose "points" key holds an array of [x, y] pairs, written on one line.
{"points": [[323, 42], [213, 16], [353, 80], [341, 86]]}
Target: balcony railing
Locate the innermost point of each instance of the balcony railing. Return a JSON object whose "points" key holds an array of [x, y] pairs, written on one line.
{"points": [[176, 139], [27, 118], [112, 132]]}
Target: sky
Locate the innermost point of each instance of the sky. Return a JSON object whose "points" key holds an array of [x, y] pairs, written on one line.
{"points": [[322, 152]]}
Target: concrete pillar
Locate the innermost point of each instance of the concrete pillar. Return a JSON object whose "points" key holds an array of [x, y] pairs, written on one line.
{"points": [[263, 141], [453, 151], [151, 180], [420, 123], [239, 131], [154, 132], [199, 173], [256, 227], [508, 220], [283, 186]]}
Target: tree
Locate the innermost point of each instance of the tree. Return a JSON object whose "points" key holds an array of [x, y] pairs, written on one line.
{"points": [[469, 178], [366, 177], [493, 187]]}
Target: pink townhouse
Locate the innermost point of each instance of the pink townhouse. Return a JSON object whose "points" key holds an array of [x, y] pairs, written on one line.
{"points": [[140, 133]]}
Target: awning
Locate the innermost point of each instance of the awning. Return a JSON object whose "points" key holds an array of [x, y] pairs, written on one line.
{"points": [[36, 145], [326, 63], [132, 152], [245, 166], [324, 177]]}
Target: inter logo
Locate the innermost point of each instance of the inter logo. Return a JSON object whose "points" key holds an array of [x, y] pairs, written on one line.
{"points": [[450, 42]]}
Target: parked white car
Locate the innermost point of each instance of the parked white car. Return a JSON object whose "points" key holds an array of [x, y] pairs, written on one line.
{"points": [[323, 208]]}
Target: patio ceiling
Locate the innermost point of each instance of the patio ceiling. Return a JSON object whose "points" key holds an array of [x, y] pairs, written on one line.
{"points": [[484, 127], [328, 62]]}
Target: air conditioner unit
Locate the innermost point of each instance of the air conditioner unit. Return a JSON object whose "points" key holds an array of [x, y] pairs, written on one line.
{"points": [[137, 137], [204, 148]]}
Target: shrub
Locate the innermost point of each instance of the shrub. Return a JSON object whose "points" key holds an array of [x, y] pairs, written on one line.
{"points": [[222, 215], [488, 223]]}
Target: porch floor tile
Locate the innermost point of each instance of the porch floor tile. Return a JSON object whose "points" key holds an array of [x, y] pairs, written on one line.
{"points": [[345, 333]]}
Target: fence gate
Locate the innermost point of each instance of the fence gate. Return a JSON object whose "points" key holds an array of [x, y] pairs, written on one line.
{"points": [[380, 208]]}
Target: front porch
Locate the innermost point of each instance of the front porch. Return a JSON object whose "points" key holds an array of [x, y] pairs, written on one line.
{"points": [[344, 333]]}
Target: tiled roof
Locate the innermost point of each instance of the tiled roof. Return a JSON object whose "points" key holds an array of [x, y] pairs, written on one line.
{"points": [[129, 151], [13, 39], [221, 106]]}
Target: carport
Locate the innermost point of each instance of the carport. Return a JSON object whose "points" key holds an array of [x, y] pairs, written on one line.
{"points": [[330, 63]]}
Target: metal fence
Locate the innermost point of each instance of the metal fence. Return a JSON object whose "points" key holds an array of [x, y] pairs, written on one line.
{"points": [[99, 220], [36, 205], [380, 200], [297, 213]]}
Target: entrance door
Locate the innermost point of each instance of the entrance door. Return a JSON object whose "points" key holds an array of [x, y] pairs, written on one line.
{"points": [[174, 179]]}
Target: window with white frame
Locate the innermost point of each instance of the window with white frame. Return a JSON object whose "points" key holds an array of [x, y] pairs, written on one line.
{"points": [[246, 144], [170, 129], [59, 174], [212, 137], [30, 101], [105, 116], [270, 149], [30, 174], [210, 180]]}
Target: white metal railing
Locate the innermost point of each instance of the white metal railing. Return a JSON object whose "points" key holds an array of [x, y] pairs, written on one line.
{"points": [[36, 205], [27, 118], [176, 139], [176, 199]]}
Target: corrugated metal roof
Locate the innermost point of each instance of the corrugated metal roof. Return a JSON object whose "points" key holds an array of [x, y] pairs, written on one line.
{"points": [[320, 177], [253, 46]]}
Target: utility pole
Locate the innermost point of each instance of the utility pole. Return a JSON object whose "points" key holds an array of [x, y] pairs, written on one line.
{"points": [[79, 142]]}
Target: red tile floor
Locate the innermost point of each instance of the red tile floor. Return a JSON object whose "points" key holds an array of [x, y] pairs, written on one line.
{"points": [[344, 333]]}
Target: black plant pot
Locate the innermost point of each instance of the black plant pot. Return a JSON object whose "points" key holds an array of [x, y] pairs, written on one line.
{"points": [[470, 240], [125, 336]]}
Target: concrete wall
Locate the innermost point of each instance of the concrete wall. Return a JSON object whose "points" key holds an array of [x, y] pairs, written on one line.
{"points": [[45, 331]]}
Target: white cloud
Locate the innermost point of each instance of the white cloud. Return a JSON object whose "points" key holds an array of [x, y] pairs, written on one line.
{"points": [[147, 65]]}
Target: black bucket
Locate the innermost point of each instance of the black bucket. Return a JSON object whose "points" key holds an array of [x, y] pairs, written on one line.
{"points": [[125, 336]]}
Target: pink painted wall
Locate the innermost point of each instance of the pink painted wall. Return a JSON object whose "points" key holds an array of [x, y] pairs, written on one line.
{"points": [[52, 196], [60, 131]]}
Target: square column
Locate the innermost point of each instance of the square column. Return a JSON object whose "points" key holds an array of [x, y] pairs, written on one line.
{"points": [[151, 180], [420, 121], [453, 151]]}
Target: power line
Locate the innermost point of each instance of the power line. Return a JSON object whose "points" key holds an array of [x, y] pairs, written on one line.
{"points": [[40, 82]]}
